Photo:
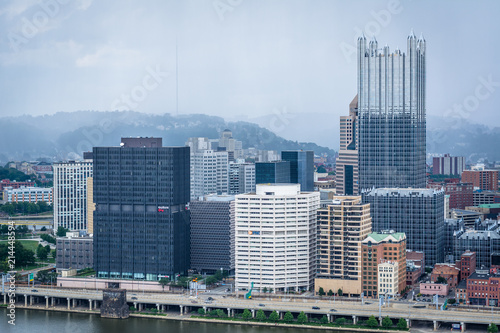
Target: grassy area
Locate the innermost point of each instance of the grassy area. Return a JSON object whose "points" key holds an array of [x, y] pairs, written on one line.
{"points": [[29, 267], [30, 245]]}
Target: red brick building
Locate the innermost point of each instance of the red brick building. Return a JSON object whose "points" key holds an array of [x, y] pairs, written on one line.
{"points": [[418, 259], [484, 179], [7, 183], [461, 194], [448, 271], [467, 264], [483, 288]]}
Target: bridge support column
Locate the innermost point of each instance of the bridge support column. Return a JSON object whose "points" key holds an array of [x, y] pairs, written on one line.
{"points": [[253, 313], [329, 316], [380, 321], [158, 307], [74, 302], [280, 314], [52, 301], [163, 308], [90, 304], [229, 312], [31, 299], [46, 301], [69, 302], [462, 325], [354, 320], [408, 323], [436, 325], [5, 298], [182, 308], [140, 307], [96, 304]]}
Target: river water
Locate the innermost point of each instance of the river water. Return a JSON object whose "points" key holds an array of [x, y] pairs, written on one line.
{"points": [[39, 321]]}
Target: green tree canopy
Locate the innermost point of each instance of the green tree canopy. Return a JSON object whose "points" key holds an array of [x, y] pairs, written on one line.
{"points": [[340, 292], [321, 291], [302, 318], [274, 316], [61, 231], [492, 328], [330, 293], [340, 321], [246, 314], [288, 318], [372, 321], [441, 280], [261, 316], [402, 324], [387, 322]]}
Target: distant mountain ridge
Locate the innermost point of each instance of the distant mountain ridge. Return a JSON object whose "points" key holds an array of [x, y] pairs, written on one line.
{"points": [[65, 135]]}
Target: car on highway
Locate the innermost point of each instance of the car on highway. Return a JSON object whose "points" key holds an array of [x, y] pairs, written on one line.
{"points": [[315, 307], [210, 299], [333, 310], [194, 302], [134, 297], [262, 304]]}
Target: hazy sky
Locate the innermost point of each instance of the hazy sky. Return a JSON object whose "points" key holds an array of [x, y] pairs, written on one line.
{"points": [[236, 57]]}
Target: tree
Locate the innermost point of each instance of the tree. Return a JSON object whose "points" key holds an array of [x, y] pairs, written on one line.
{"points": [[261, 316], [402, 324], [264, 290], [43, 229], [324, 320], [274, 316], [288, 318], [4, 229], [451, 301], [330, 293], [372, 322], [340, 321], [492, 328], [210, 280], [340, 292], [163, 282], [321, 291], [41, 253], [47, 248], [302, 318], [213, 313], [246, 314], [61, 231], [221, 313], [270, 290], [387, 322], [201, 311], [441, 280], [321, 169], [22, 229]]}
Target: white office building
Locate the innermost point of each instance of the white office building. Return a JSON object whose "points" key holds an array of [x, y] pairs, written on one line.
{"points": [[275, 238], [209, 173], [241, 178], [70, 194], [388, 278], [29, 194]]}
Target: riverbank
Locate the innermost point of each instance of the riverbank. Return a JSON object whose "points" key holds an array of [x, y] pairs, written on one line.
{"points": [[188, 318]]}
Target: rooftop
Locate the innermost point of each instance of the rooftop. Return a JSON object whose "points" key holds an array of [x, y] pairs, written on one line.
{"points": [[403, 192], [378, 237]]}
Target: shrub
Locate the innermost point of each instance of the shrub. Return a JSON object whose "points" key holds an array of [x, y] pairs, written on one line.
{"points": [[324, 320], [201, 311], [321, 291], [340, 321]]}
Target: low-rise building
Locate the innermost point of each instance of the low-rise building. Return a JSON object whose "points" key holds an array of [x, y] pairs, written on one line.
{"points": [[28, 194], [447, 271], [467, 264], [461, 291], [418, 258], [431, 288], [74, 252], [413, 273], [483, 288]]}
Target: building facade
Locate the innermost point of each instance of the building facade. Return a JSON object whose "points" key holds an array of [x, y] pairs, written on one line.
{"points": [[483, 288], [212, 234], [277, 172], [141, 220], [448, 165], [482, 179], [241, 178], [482, 242], [209, 173], [275, 238], [347, 166], [28, 194], [449, 272], [467, 264], [70, 194], [301, 168], [419, 213], [391, 113], [388, 249], [74, 252], [342, 225]]}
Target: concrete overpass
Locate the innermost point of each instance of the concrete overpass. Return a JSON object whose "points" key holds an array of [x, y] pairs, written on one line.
{"points": [[231, 305]]}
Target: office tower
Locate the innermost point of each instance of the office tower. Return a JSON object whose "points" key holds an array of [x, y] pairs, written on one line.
{"points": [[419, 213], [347, 162], [212, 234], [70, 194], [391, 113], [199, 144], [141, 221], [483, 179], [241, 178], [277, 172], [483, 242], [385, 253], [229, 144], [275, 238], [301, 168], [448, 165], [209, 173], [342, 226]]}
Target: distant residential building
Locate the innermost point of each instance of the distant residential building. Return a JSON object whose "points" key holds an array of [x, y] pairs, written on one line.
{"points": [[15, 184], [229, 144], [277, 172], [70, 194], [484, 179], [460, 194], [212, 234], [482, 242], [275, 238], [387, 248], [342, 225], [74, 252], [467, 264], [347, 166], [449, 272], [419, 213], [483, 288], [301, 168], [209, 173], [448, 165], [199, 145], [241, 178], [28, 194]]}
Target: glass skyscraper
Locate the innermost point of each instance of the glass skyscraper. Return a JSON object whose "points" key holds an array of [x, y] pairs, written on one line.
{"points": [[277, 172], [301, 168], [391, 111], [141, 218]]}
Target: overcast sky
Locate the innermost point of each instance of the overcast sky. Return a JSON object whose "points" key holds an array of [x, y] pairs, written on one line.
{"points": [[236, 57]]}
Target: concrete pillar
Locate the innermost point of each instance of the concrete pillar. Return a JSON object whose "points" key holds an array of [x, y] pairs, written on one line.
{"points": [[52, 299], [140, 307], [69, 302], [408, 323], [158, 307], [74, 302], [380, 321], [280, 314], [5, 298], [436, 324], [135, 305], [46, 301], [95, 304], [229, 312], [253, 313], [354, 320], [182, 308], [90, 304], [163, 308], [31, 299], [462, 325], [58, 301], [329, 316]]}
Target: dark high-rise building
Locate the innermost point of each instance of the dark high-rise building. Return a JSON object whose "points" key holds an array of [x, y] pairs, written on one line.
{"points": [[301, 168], [141, 218], [347, 166], [272, 172], [212, 234], [419, 213], [391, 113]]}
